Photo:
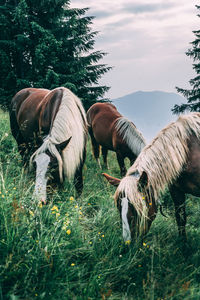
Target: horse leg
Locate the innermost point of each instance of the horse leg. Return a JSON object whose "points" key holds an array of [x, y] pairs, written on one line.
{"points": [[120, 160], [78, 177], [104, 153], [179, 204], [132, 160], [95, 147], [78, 181]]}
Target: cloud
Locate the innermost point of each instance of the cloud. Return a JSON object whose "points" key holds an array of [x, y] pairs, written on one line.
{"points": [[146, 41], [147, 7]]}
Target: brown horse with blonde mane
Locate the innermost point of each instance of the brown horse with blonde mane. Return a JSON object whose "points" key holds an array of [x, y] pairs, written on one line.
{"points": [[110, 130], [50, 128], [171, 160]]}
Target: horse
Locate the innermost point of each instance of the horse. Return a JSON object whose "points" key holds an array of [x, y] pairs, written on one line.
{"points": [[110, 130], [171, 160], [50, 128]]}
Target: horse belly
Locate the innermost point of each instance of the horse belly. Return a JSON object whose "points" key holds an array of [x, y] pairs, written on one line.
{"points": [[103, 136]]}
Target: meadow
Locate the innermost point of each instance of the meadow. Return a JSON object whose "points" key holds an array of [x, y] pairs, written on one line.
{"points": [[72, 248]]}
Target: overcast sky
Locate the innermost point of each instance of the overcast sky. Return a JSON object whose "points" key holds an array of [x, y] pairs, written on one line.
{"points": [[146, 41]]}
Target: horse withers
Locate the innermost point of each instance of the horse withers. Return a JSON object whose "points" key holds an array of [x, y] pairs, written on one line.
{"points": [[110, 130], [171, 160], [50, 128]]}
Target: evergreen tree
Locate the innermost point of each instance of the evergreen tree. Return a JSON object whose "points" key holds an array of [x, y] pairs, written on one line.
{"points": [[192, 95], [45, 43]]}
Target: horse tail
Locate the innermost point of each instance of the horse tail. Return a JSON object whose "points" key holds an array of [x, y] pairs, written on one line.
{"points": [[15, 105]]}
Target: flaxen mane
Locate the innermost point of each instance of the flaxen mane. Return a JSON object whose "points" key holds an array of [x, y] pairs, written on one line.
{"points": [[131, 135], [70, 121], [162, 160]]}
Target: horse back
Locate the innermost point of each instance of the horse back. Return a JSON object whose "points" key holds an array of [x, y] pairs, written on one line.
{"points": [[101, 119], [28, 111]]}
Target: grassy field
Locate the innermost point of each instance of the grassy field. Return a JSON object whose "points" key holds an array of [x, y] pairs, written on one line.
{"points": [[73, 248]]}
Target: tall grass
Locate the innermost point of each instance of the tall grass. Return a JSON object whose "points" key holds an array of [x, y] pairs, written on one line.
{"points": [[73, 249]]}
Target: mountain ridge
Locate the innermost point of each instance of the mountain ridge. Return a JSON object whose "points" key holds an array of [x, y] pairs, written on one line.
{"points": [[149, 111]]}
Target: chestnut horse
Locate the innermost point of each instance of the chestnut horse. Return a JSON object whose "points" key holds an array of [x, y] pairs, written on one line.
{"points": [[171, 160], [108, 128], [51, 127]]}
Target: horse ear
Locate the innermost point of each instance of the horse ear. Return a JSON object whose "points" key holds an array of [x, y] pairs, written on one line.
{"points": [[112, 180], [143, 181], [63, 145]]}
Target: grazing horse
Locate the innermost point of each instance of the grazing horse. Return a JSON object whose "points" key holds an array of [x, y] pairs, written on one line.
{"points": [[51, 127], [108, 128], [171, 160]]}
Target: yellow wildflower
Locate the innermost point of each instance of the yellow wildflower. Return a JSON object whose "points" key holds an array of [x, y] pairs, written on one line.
{"points": [[144, 244], [54, 208], [40, 205], [72, 264], [31, 213], [103, 235], [71, 198], [128, 242], [68, 231], [89, 203], [80, 212], [76, 206]]}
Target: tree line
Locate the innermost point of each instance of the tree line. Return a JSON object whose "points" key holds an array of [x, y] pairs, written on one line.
{"points": [[45, 43]]}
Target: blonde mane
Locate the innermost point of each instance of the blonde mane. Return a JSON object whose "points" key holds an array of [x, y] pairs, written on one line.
{"points": [[70, 121], [162, 160], [130, 134]]}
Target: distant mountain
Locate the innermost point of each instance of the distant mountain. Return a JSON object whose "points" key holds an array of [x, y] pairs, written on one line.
{"points": [[149, 111]]}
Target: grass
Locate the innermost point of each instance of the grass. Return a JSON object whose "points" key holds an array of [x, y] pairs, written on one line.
{"points": [[73, 248]]}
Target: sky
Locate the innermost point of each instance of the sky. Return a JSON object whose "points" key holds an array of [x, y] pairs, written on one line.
{"points": [[146, 41]]}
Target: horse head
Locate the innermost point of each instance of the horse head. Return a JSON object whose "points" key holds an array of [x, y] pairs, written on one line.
{"points": [[136, 207], [48, 166]]}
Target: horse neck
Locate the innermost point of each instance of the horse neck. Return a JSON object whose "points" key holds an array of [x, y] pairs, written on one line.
{"points": [[131, 136]]}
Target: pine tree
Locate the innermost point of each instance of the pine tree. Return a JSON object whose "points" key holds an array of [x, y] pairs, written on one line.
{"points": [[192, 95], [45, 43]]}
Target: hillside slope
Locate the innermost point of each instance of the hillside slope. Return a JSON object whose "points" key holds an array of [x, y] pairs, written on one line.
{"points": [[150, 111]]}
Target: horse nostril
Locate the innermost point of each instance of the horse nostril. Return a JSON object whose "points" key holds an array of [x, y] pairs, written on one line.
{"points": [[43, 200]]}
